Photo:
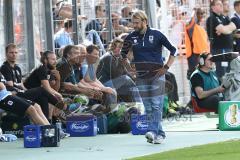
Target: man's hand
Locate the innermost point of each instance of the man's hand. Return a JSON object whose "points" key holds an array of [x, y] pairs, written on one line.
{"points": [[94, 94], [220, 89], [162, 71], [109, 90], [58, 96]]}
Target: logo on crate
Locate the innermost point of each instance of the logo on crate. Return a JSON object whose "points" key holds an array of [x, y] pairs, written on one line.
{"points": [[142, 125], [31, 138], [232, 116], [79, 126]]}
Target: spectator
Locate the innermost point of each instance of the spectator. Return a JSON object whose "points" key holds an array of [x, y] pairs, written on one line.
{"points": [[147, 52], [219, 30], [126, 13], [63, 36], [226, 8], [205, 85], [196, 40], [117, 27], [98, 23]]}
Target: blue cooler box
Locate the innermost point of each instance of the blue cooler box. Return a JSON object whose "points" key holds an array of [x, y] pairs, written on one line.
{"points": [[82, 125], [139, 125], [32, 136]]}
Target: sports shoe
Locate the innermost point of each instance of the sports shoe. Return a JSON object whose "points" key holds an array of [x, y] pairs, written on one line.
{"points": [[73, 108], [150, 136], [158, 140], [64, 134]]}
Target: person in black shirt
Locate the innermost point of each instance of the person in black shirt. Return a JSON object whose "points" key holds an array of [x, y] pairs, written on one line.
{"points": [[236, 20], [13, 76], [219, 30], [45, 74], [205, 86]]}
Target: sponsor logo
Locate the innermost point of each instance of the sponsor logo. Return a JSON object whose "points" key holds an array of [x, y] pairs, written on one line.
{"points": [[31, 138], [80, 127], [142, 125]]}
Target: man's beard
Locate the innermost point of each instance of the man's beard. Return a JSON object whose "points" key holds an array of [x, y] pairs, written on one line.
{"points": [[51, 67]]}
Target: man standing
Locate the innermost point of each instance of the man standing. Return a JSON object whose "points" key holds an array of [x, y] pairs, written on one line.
{"points": [[196, 40], [219, 30], [147, 51], [236, 20]]}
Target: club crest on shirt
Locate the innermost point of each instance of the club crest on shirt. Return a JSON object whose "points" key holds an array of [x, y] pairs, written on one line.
{"points": [[10, 103], [48, 76], [135, 41], [150, 38]]}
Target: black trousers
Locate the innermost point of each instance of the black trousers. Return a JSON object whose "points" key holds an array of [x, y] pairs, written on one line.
{"points": [[210, 102], [41, 96]]}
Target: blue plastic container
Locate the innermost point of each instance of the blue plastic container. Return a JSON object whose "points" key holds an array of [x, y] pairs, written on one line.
{"points": [[32, 136], [139, 125], [82, 125]]}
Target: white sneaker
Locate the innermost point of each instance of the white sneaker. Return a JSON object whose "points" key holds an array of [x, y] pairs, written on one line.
{"points": [[158, 140], [150, 136]]}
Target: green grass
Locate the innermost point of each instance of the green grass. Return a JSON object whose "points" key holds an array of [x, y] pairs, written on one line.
{"points": [[229, 150]]}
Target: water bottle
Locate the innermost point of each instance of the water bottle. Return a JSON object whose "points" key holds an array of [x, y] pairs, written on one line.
{"points": [[59, 125]]}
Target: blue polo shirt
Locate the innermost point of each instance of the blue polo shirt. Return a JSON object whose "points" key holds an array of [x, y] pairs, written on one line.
{"points": [[147, 47]]}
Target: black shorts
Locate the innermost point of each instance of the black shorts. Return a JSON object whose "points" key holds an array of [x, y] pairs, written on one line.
{"points": [[15, 105]]}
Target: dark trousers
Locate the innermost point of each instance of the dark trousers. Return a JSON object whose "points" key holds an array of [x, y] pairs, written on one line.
{"points": [[210, 102], [41, 97], [221, 70], [173, 92]]}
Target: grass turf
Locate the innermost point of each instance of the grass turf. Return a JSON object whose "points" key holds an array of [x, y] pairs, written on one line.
{"points": [[229, 150]]}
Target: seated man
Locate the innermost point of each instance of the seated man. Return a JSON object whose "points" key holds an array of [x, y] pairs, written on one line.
{"points": [[48, 77], [205, 85], [21, 107], [69, 84], [113, 73], [89, 80], [90, 77], [13, 75]]}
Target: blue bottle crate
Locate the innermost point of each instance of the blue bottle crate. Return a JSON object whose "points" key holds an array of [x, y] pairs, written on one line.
{"points": [[139, 125], [82, 125], [32, 136], [102, 124]]}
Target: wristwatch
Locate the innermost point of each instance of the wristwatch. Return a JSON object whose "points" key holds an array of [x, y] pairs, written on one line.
{"points": [[166, 67]]}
